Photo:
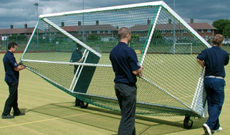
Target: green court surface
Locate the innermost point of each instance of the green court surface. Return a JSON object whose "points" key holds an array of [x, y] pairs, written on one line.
{"points": [[50, 111]]}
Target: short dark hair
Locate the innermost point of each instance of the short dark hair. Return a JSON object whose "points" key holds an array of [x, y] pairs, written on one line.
{"points": [[123, 32], [12, 44], [79, 47]]}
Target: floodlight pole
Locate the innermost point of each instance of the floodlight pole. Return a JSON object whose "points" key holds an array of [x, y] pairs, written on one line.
{"points": [[83, 27], [36, 4], [174, 5]]}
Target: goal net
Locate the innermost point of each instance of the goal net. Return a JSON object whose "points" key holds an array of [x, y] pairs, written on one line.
{"points": [[166, 46], [182, 48]]}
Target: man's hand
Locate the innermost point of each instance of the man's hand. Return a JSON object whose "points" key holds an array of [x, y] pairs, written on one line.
{"points": [[138, 72], [201, 62], [20, 67]]}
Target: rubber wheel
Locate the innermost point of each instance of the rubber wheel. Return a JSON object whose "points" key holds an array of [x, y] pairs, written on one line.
{"points": [[83, 104], [187, 122], [77, 102]]}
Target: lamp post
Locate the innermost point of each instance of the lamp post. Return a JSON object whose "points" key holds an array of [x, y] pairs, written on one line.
{"points": [[36, 4], [174, 5], [83, 27]]}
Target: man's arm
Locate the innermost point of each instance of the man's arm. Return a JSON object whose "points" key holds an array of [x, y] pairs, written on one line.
{"points": [[138, 72], [18, 68], [80, 60], [201, 62]]}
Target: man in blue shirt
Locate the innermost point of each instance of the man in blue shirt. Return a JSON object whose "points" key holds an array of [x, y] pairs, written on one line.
{"points": [[214, 59], [77, 57], [126, 67], [12, 69]]}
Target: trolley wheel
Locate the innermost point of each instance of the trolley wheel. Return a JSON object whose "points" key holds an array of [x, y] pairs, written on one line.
{"points": [[83, 104], [77, 102], [187, 122]]}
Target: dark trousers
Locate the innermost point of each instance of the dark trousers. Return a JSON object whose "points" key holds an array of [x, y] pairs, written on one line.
{"points": [[12, 100], [215, 97], [126, 96]]}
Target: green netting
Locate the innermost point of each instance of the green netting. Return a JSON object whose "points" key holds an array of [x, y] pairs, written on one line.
{"points": [[166, 47]]}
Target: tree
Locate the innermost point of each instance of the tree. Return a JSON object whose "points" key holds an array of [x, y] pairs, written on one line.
{"points": [[220, 25], [93, 37], [226, 31], [135, 37]]}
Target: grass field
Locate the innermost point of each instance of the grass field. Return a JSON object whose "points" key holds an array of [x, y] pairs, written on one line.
{"points": [[50, 111]]}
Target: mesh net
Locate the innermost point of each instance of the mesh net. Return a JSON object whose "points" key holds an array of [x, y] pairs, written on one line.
{"points": [[165, 46]]}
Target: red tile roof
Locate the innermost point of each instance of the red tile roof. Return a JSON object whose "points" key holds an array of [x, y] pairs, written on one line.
{"points": [[201, 26], [16, 31], [70, 28], [177, 26], [137, 27], [97, 27]]}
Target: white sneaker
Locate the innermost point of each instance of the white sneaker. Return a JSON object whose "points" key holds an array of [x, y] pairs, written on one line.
{"points": [[207, 129], [218, 130]]}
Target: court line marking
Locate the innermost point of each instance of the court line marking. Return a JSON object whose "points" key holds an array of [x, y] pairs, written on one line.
{"points": [[15, 125]]}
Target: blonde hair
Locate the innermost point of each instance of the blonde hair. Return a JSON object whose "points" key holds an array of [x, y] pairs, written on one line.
{"points": [[123, 32], [218, 39]]}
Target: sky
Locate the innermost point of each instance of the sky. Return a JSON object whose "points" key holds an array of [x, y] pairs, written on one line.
{"points": [[21, 12]]}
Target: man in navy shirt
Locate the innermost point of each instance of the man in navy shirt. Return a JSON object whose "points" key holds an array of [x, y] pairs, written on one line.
{"points": [[126, 67], [214, 59], [12, 69], [77, 57]]}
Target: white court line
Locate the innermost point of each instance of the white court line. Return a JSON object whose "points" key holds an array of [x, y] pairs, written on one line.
{"points": [[39, 121]]}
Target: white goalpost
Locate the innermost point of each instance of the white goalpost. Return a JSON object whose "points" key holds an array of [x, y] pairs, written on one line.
{"points": [[183, 48], [171, 84]]}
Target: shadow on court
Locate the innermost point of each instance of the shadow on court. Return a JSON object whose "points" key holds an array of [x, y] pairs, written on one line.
{"points": [[109, 120]]}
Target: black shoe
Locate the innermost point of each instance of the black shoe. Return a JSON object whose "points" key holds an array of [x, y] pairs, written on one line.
{"points": [[20, 114], [7, 116]]}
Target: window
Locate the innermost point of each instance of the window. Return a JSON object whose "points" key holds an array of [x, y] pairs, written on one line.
{"points": [[202, 31], [109, 31], [90, 32], [208, 31], [98, 32]]}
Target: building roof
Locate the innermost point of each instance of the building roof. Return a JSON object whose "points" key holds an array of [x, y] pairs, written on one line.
{"points": [[137, 27], [171, 26], [86, 28], [29, 30], [201, 26], [97, 27], [70, 28], [16, 31], [140, 27]]}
